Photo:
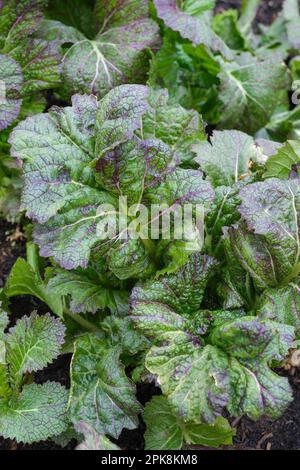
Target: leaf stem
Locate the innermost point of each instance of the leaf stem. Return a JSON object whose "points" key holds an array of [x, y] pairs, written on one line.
{"points": [[82, 321]]}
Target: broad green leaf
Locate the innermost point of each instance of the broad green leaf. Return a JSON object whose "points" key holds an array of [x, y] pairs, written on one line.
{"points": [[119, 115], [79, 159], [193, 22], [38, 60], [284, 125], [11, 80], [178, 127], [101, 393], [181, 366], [269, 249], [51, 30], [251, 338], [87, 291], [227, 157], [235, 288], [222, 213], [32, 344], [226, 26], [249, 91], [163, 304], [182, 186], [248, 12], [233, 365], [22, 280], [93, 440], [291, 15], [121, 332], [257, 391], [120, 12], [282, 305], [116, 56], [281, 164], [38, 413], [165, 431]]}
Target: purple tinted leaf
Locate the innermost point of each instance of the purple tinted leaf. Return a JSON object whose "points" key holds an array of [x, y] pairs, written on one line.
{"points": [[11, 81], [195, 28]]}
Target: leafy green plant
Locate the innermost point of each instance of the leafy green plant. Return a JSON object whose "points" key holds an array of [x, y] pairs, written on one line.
{"points": [[28, 411], [27, 64], [113, 48], [207, 316]]}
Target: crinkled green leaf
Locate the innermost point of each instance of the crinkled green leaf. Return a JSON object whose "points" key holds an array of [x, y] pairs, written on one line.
{"points": [[133, 167], [252, 338], [114, 57], [182, 186], [178, 127], [281, 164], [226, 26], [130, 259], [38, 413], [181, 366], [22, 280], [118, 54], [119, 12], [192, 21], [271, 212], [119, 116], [87, 292], [121, 331], [223, 211], [282, 305], [171, 296], [165, 431], [33, 343], [53, 30], [101, 393], [291, 15], [19, 19], [39, 60], [256, 390], [78, 158], [11, 81], [235, 288], [93, 440], [226, 157], [232, 367], [249, 91]]}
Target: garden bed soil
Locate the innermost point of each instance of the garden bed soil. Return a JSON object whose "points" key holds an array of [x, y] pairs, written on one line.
{"points": [[265, 434]]}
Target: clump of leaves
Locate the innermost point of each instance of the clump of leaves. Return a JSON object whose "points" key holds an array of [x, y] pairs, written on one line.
{"points": [[207, 317], [129, 145], [109, 50], [217, 65], [27, 64], [28, 411]]}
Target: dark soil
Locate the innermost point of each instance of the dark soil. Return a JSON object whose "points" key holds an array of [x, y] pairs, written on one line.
{"points": [[9, 251]]}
